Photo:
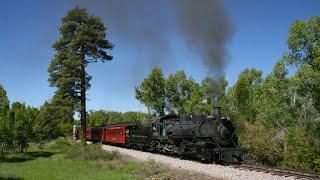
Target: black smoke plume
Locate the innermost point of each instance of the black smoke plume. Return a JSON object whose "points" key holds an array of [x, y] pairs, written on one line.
{"points": [[206, 29], [147, 26]]}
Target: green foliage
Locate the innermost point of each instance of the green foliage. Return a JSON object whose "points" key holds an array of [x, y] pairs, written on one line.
{"points": [[62, 144], [304, 52], [299, 154], [275, 106], [307, 82], [48, 163], [264, 145], [277, 117], [135, 116], [4, 120], [196, 102], [23, 119], [214, 90], [244, 90], [242, 93], [16, 128], [177, 91], [91, 152], [151, 91], [53, 121], [21, 124], [101, 117], [4, 101], [304, 43], [82, 42], [178, 94]]}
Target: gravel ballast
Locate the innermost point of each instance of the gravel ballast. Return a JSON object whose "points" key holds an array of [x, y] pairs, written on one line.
{"points": [[213, 170]]}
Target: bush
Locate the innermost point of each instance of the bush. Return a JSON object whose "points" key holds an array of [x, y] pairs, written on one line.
{"points": [[264, 145], [63, 142], [60, 144], [299, 153], [91, 152]]}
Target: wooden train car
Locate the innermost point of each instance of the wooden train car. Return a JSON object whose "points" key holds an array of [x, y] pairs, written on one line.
{"points": [[112, 134], [115, 134]]}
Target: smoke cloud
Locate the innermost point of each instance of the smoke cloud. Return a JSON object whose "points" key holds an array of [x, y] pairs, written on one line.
{"points": [[206, 29], [148, 26]]}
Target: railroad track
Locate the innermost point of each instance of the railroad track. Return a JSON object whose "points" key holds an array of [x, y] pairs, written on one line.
{"points": [[278, 172]]}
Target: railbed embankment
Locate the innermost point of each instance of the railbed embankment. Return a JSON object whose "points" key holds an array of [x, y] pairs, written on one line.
{"points": [[213, 170]]}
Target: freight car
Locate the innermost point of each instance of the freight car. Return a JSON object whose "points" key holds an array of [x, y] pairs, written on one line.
{"points": [[207, 138]]}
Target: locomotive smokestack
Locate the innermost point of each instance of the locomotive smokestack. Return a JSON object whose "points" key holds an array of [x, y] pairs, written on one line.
{"points": [[216, 111]]}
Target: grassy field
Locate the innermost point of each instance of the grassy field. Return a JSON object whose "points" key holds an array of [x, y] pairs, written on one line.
{"points": [[83, 162], [46, 164]]}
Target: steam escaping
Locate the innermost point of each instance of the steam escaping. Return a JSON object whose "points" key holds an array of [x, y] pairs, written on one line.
{"points": [[150, 27]]}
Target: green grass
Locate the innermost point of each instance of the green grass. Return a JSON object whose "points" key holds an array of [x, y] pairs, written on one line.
{"points": [[65, 161], [57, 167]]}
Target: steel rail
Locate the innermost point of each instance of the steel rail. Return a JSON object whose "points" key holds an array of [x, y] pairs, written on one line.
{"points": [[278, 172]]}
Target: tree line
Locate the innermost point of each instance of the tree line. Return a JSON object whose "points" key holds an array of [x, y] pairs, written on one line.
{"points": [[180, 94], [103, 117], [21, 124], [277, 116]]}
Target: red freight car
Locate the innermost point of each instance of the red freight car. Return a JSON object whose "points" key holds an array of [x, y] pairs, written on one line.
{"points": [[115, 134]]}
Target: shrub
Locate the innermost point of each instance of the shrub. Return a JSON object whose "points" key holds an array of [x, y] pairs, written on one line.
{"points": [[63, 141], [60, 144], [91, 152], [299, 153], [263, 145]]}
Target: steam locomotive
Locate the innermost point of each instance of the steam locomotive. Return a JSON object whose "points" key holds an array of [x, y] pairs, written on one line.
{"points": [[206, 138]]}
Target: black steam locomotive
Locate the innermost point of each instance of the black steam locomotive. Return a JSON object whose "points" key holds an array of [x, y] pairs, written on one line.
{"points": [[207, 138]]}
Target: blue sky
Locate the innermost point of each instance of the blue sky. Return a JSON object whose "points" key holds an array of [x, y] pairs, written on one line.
{"points": [[29, 28]]}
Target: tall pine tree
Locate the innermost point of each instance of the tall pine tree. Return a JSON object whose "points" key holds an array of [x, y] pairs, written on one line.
{"points": [[82, 42]]}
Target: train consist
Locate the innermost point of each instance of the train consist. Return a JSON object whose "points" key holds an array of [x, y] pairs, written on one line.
{"points": [[206, 138]]}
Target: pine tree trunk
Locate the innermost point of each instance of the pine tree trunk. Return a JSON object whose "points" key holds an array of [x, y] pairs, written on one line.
{"points": [[83, 101]]}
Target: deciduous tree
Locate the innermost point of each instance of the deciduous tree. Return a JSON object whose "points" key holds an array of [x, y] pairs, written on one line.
{"points": [[244, 91], [196, 102], [151, 91], [275, 99], [214, 90], [177, 90], [304, 52], [4, 121]]}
